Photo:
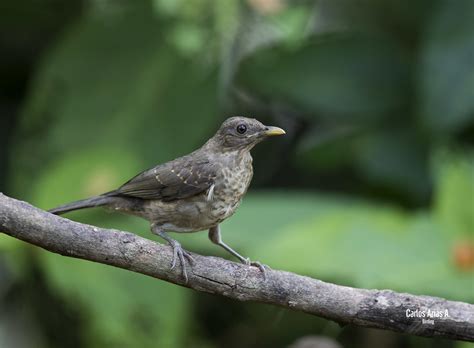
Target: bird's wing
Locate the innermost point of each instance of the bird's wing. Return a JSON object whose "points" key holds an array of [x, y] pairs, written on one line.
{"points": [[174, 180]]}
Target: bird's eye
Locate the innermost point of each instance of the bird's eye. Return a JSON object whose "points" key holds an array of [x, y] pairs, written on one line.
{"points": [[241, 128]]}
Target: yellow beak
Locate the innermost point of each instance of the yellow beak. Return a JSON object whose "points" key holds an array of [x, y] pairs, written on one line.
{"points": [[270, 131]]}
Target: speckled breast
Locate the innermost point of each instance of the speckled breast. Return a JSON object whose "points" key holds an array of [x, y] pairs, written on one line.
{"points": [[230, 189]]}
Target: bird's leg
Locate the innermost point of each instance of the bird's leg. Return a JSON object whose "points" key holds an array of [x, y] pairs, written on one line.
{"points": [[215, 237], [178, 251]]}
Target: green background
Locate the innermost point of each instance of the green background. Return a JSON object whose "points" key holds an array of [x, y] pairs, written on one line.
{"points": [[373, 185]]}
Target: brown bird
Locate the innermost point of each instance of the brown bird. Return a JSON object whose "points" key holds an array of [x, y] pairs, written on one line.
{"points": [[191, 193]]}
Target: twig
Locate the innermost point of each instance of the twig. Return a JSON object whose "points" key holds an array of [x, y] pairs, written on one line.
{"points": [[383, 309]]}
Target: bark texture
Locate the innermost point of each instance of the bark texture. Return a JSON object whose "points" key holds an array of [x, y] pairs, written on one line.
{"points": [[383, 309]]}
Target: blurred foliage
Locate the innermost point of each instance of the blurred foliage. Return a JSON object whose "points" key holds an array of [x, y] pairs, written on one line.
{"points": [[376, 98]]}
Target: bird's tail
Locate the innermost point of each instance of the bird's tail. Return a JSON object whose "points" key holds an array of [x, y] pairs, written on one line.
{"points": [[96, 201]]}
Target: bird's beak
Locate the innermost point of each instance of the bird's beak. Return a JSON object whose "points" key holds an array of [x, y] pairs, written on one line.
{"points": [[270, 131]]}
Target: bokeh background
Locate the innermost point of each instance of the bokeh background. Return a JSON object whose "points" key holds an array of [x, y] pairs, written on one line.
{"points": [[373, 185]]}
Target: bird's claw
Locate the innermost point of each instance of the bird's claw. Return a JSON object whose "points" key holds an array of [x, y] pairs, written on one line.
{"points": [[181, 254], [263, 268]]}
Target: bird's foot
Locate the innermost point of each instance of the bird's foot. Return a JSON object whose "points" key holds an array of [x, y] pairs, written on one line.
{"points": [[181, 254], [262, 267]]}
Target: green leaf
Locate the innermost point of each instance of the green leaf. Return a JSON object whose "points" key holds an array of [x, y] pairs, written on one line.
{"points": [[454, 204], [369, 246]]}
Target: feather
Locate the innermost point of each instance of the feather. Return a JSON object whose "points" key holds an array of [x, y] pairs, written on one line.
{"points": [[178, 179]]}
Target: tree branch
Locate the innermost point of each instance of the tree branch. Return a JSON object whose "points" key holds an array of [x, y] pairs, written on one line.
{"points": [[383, 309]]}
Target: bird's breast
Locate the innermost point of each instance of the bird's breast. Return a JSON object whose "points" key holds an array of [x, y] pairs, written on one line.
{"points": [[231, 186]]}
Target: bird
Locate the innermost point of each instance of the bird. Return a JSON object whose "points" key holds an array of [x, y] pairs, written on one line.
{"points": [[191, 193]]}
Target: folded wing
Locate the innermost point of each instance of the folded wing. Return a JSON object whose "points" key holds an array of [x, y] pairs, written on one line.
{"points": [[178, 179]]}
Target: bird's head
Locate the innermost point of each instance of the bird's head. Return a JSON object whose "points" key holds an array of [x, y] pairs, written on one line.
{"points": [[240, 133]]}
